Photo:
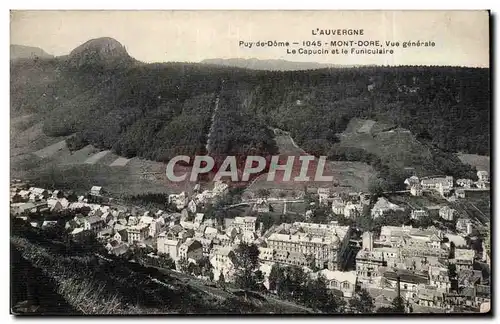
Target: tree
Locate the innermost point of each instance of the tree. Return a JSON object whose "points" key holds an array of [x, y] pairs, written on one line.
{"points": [[72, 197], [194, 269], [317, 296], [246, 262], [17, 198], [206, 267], [274, 277], [293, 284], [452, 270], [222, 280], [183, 264], [452, 274], [451, 255], [362, 302], [398, 305], [377, 186], [320, 214], [165, 261], [264, 193]]}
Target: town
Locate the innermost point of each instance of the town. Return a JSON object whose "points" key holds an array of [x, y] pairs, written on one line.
{"points": [[436, 260]]}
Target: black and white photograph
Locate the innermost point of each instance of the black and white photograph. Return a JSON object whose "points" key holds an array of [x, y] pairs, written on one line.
{"points": [[284, 162]]}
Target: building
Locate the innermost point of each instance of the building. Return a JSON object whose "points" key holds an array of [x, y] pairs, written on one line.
{"points": [[465, 183], [409, 281], [116, 247], [443, 189], [411, 181], [339, 280], [414, 242], [192, 207], [191, 250], [323, 195], [96, 191], [418, 214], [54, 205], [434, 183], [77, 233], [326, 243], [338, 206], [416, 190], [121, 235], [429, 297], [179, 201], [219, 188], [469, 278], [93, 224], [40, 193], [464, 259], [223, 262], [261, 206], [29, 208], [439, 278], [460, 193], [368, 265], [352, 210], [210, 232], [207, 245], [246, 224], [155, 227], [266, 254], [198, 218], [223, 239], [447, 213], [367, 241], [464, 225], [483, 184], [297, 259], [137, 233], [168, 246], [483, 176], [382, 206], [441, 185]]}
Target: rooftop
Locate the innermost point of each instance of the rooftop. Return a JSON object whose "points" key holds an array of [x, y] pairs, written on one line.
{"points": [[340, 276], [464, 254]]}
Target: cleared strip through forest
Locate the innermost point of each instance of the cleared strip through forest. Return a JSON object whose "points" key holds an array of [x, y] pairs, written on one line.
{"points": [[207, 146]]}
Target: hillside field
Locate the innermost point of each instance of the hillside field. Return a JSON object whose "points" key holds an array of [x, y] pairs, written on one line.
{"points": [[481, 162], [348, 176], [396, 146]]}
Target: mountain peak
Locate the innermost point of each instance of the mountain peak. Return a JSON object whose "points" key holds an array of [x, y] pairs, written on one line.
{"points": [[99, 50]]}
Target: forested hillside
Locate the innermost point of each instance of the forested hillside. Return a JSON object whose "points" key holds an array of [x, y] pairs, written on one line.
{"points": [[156, 111], [447, 106]]}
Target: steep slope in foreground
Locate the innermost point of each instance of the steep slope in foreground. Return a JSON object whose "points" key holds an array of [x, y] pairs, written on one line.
{"points": [[92, 285]]}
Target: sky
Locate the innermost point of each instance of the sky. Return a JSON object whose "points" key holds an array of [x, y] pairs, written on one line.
{"points": [[461, 38]]}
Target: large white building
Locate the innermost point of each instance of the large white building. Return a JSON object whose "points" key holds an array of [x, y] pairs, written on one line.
{"points": [[447, 213], [137, 233], [441, 185], [223, 262], [168, 246], [245, 224], [325, 242]]}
